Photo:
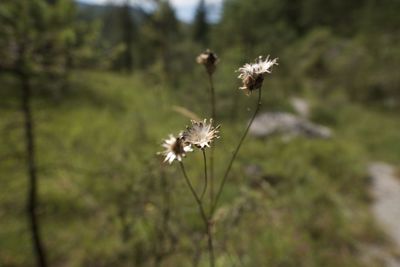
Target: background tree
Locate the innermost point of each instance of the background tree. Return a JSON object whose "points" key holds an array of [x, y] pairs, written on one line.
{"points": [[128, 29], [200, 24], [167, 28], [36, 36]]}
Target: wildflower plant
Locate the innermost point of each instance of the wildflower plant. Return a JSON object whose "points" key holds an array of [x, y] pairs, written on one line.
{"points": [[201, 135]]}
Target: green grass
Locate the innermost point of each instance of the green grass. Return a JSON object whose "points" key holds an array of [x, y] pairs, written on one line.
{"points": [[375, 130], [104, 192]]}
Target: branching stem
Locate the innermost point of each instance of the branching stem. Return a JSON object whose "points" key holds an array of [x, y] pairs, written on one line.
{"points": [[206, 221]]}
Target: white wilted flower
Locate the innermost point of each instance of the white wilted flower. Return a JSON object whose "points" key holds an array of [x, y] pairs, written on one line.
{"points": [[175, 148], [252, 75], [209, 59], [200, 133]]}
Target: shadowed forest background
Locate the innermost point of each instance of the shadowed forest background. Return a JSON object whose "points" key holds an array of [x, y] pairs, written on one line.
{"points": [[88, 92]]}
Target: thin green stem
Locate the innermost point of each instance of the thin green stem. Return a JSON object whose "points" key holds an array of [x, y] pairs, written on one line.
{"points": [[196, 197], [213, 116], [207, 224], [211, 175], [212, 96], [221, 187], [205, 174]]}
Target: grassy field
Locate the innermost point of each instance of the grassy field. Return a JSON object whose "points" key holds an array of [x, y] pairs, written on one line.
{"points": [[106, 199]]}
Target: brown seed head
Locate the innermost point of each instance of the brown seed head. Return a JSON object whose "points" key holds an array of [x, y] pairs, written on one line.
{"points": [[252, 75], [209, 59]]}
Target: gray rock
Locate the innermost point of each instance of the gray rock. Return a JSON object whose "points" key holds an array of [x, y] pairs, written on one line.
{"points": [[289, 125]]}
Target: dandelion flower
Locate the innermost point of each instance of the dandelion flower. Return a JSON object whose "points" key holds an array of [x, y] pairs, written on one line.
{"points": [[200, 133], [209, 59], [252, 75], [175, 148]]}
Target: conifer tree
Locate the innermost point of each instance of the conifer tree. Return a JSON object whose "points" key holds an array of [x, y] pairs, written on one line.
{"points": [[200, 24], [35, 36], [127, 35], [165, 28]]}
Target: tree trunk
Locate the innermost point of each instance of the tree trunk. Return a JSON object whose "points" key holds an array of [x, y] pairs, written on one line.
{"points": [[32, 171]]}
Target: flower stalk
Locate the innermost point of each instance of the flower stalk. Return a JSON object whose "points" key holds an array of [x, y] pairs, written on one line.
{"points": [[205, 174], [213, 116], [226, 174], [210, 60]]}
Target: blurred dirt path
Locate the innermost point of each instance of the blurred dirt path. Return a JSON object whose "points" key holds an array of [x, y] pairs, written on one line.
{"points": [[386, 207]]}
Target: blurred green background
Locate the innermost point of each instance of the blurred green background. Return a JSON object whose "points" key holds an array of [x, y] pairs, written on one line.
{"points": [[98, 87]]}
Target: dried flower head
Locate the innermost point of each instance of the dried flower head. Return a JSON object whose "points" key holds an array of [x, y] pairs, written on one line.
{"points": [[200, 133], [175, 148], [252, 75], [209, 59]]}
